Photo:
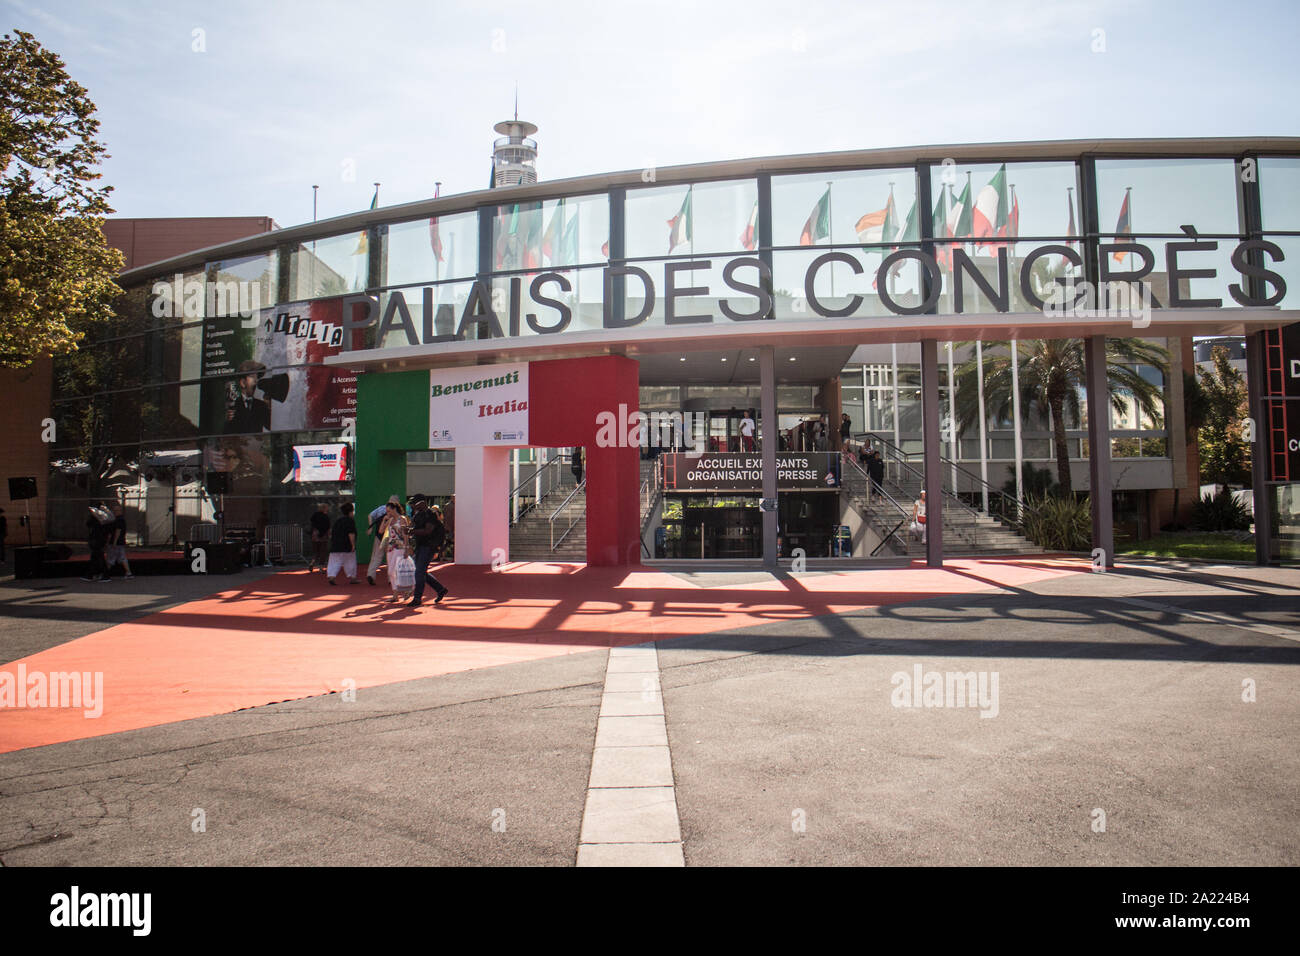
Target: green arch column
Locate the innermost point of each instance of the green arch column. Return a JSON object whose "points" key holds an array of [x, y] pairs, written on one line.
{"points": [[392, 419]]}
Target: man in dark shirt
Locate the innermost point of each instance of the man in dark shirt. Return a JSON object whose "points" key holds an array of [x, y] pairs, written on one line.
{"points": [[343, 546], [96, 537], [428, 533], [876, 468], [320, 537]]}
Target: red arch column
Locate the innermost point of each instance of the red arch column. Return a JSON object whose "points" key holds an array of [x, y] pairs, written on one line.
{"points": [[564, 398]]}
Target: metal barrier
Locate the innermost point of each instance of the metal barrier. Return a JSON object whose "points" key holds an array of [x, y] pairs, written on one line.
{"points": [[283, 542]]}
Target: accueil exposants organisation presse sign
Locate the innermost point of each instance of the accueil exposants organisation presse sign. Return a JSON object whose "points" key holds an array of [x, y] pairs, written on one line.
{"points": [[478, 405]]}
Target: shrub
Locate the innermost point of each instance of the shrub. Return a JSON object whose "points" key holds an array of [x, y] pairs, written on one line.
{"points": [[1057, 524], [1220, 512]]}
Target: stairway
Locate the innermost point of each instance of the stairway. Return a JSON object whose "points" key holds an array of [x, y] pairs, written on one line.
{"points": [[965, 530], [530, 537]]}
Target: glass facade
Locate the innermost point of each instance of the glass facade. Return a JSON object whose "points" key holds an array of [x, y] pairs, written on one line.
{"points": [[158, 397]]}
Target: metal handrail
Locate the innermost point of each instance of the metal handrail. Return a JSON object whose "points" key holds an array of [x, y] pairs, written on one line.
{"points": [[580, 486], [1017, 503], [880, 491], [549, 485], [921, 477]]}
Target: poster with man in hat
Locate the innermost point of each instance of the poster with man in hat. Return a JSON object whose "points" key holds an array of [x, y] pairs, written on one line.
{"points": [[245, 412]]}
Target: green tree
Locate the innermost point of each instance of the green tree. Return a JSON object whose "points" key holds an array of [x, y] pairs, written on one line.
{"points": [[1053, 373], [1222, 406], [56, 270]]}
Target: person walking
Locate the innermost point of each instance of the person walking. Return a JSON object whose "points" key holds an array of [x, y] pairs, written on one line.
{"points": [[343, 546], [97, 539], [377, 521], [575, 465], [424, 525], [320, 536], [919, 517], [876, 469], [396, 543], [117, 543], [846, 430], [747, 431]]}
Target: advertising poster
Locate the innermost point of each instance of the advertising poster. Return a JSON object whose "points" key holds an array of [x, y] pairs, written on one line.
{"points": [[320, 463], [478, 405], [263, 373]]}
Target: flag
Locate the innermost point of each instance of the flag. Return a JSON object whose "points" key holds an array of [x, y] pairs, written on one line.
{"points": [[1125, 226], [909, 231], [363, 240], [818, 226], [554, 232], [989, 217], [569, 242], [604, 248], [679, 227], [749, 238], [508, 237], [871, 227], [942, 250], [959, 216], [1012, 229], [435, 238]]}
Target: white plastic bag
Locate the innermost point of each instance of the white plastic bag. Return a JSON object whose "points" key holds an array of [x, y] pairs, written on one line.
{"points": [[403, 572]]}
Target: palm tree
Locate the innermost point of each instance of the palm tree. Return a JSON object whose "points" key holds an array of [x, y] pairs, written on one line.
{"points": [[1053, 373]]}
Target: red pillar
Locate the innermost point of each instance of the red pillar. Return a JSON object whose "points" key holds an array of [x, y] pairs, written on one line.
{"points": [[564, 398]]}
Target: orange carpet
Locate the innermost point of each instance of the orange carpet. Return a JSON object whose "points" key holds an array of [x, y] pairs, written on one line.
{"points": [[291, 635]]}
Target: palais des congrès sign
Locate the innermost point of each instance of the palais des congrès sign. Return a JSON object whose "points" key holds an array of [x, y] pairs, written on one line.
{"points": [[361, 311]]}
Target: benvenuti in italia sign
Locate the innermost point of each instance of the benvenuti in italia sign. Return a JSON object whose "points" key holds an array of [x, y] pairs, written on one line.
{"points": [[478, 405]]}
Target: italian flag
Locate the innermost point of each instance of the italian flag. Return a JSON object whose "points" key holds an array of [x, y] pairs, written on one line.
{"points": [[871, 227], [992, 209], [679, 227], [959, 215], [749, 238], [818, 226]]}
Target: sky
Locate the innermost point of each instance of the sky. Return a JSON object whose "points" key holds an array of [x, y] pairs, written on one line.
{"points": [[237, 108]]}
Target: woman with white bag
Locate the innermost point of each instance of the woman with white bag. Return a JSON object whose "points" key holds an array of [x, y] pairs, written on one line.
{"points": [[397, 542]]}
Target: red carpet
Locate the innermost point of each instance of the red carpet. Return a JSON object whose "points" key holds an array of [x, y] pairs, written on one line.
{"points": [[291, 635]]}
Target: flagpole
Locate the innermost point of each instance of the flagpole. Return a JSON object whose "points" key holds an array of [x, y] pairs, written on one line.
{"points": [[984, 445], [437, 188], [952, 292], [1015, 411]]}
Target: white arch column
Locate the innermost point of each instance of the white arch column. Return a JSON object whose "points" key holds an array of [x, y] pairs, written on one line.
{"points": [[482, 509]]}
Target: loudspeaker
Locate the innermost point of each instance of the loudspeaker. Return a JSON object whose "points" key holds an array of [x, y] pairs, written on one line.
{"points": [[21, 488], [28, 562]]}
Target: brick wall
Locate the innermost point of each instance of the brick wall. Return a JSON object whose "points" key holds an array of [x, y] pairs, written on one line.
{"points": [[27, 403]]}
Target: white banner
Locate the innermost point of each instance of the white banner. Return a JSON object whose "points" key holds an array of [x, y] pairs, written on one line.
{"points": [[478, 405]]}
